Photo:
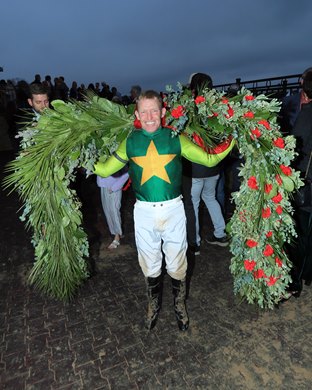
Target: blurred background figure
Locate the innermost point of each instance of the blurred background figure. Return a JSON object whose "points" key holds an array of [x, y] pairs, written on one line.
{"points": [[135, 93], [111, 195], [291, 106]]}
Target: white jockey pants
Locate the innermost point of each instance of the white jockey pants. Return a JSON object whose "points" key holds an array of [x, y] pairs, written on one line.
{"points": [[161, 227]]}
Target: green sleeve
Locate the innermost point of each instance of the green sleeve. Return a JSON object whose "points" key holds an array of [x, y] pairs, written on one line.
{"points": [[114, 163], [194, 153]]}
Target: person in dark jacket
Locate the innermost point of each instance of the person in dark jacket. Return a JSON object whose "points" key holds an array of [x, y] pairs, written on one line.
{"points": [[303, 129], [200, 182], [291, 106], [300, 251]]}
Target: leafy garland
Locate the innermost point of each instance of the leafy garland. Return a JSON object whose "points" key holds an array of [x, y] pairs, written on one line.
{"points": [[65, 138], [262, 222], [77, 134]]}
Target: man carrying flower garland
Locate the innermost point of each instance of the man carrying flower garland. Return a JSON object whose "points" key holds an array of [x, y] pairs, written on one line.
{"points": [[155, 168]]}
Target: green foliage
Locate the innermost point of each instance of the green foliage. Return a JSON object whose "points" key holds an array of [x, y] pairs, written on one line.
{"points": [[70, 136]]}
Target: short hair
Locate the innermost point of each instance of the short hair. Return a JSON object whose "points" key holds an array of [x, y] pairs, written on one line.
{"points": [[38, 89], [136, 89], [200, 81], [151, 94], [306, 72], [307, 84]]}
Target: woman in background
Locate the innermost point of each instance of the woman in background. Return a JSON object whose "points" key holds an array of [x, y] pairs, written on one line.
{"points": [[111, 194]]}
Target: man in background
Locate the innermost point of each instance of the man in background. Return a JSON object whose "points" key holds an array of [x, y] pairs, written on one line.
{"points": [[38, 98], [291, 106]]}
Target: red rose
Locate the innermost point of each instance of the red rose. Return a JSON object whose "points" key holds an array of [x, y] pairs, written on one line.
{"points": [[177, 112], [255, 133], [249, 97], [200, 99], [198, 140], [214, 114], [266, 212], [286, 170], [230, 112], [259, 274], [251, 243], [279, 210], [224, 100], [137, 124], [269, 234], [268, 188], [268, 250], [277, 198], [220, 147], [249, 265], [252, 183], [279, 143], [278, 261], [272, 280], [249, 114], [265, 123]]}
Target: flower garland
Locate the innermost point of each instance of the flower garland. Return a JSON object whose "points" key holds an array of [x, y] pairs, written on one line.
{"points": [[76, 134], [262, 222]]}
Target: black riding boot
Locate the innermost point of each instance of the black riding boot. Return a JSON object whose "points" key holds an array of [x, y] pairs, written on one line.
{"points": [[179, 292], [154, 290]]}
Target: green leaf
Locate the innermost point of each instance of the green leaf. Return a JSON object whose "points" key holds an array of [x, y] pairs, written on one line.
{"points": [[60, 173], [65, 221], [288, 184]]}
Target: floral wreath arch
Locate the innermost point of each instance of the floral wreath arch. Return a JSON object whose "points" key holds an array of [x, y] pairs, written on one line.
{"points": [[77, 134]]}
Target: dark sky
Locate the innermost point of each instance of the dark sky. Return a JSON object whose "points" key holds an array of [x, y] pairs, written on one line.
{"points": [[154, 43]]}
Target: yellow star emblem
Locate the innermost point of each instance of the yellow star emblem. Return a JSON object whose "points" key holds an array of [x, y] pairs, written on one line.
{"points": [[153, 164]]}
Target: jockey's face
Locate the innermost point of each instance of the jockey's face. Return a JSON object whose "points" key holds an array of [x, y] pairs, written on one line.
{"points": [[149, 112]]}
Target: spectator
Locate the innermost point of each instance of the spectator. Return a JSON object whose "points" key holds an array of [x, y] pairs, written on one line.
{"points": [[301, 250], [291, 106], [111, 194], [48, 83], [22, 94], [37, 79], [200, 182], [97, 89], [135, 93], [38, 98], [303, 128], [105, 92], [82, 92], [3, 101], [10, 102], [73, 92]]}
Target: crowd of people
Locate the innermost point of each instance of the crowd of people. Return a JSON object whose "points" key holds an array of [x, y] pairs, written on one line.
{"points": [[166, 220], [17, 93], [14, 96]]}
